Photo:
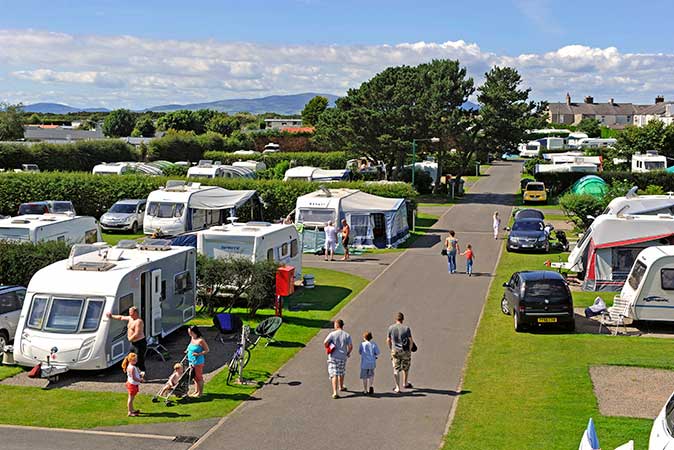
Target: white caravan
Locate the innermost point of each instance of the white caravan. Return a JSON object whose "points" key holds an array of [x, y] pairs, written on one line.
{"points": [[180, 207], [596, 143], [648, 162], [66, 302], [257, 241], [530, 149], [579, 167], [306, 173], [208, 169], [640, 204], [649, 290], [552, 143], [251, 164], [117, 168], [50, 227]]}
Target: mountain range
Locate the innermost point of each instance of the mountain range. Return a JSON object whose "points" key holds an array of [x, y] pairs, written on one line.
{"points": [[280, 104]]}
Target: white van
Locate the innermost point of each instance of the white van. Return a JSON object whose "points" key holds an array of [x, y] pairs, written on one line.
{"points": [[180, 207], [11, 302], [50, 227], [66, 302], [257, 241]]}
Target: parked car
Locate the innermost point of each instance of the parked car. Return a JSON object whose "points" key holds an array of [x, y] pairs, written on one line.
{"points": [[528, 234], [662, 432], [47, 207], [11, 302], [125, 215], [535, 192], [529, 213], [537, 298]]}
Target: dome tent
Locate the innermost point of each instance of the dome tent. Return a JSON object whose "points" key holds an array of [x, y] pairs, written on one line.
{"points": [[590, 185]]}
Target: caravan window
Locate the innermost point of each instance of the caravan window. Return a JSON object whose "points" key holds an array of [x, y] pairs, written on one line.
{"points": [[638, 272], [293, 248], [14, 234], [316, 215], [284, 250], [165, 210], [623, 258], [125, 303], [92, 316], [182, 282], [270, 254], [91, 237], [667, 279], [37, 311], [64, 315]]}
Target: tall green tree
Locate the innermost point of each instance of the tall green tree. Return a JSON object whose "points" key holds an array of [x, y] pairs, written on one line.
{"points": [[223, 124], [590, 126], [144, 127], [119, 123], [181, 120], [313, 110], [504, 109], [652, 136], [11, 122]]}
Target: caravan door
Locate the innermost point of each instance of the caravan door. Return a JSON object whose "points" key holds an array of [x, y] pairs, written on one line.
{"points": [[156, 300], [362, 228]]}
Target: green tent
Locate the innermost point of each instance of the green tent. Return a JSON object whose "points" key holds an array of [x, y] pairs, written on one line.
{"points": [[590, 184]]}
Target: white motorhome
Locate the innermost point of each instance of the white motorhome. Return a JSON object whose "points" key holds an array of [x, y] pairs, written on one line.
{"points": [[649, 290], [66, 302], [258, 241], [50, 227], [529, 149], [306, 173], [641, 204], [605, 254], [648, 162], [251, 164], [181, 207], [208, 169]]}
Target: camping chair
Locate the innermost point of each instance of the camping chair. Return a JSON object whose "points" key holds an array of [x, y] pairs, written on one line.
{"points": [[268, 328], [227, 325], [615, 316]]}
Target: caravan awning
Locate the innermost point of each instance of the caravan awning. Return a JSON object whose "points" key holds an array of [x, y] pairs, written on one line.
{"points": [[360, 201], [219, 198]]}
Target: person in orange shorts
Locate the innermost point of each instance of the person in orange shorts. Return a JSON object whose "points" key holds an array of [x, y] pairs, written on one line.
{"points": [[133, 379]]}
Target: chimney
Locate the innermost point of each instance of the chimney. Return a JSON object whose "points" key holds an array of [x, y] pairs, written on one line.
{"points": [[610, 101], [568, 99], [659, 99], [589, 100]]}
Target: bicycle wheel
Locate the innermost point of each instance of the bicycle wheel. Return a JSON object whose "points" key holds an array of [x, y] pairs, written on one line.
{"points": [[233, 368], [246, 358]]}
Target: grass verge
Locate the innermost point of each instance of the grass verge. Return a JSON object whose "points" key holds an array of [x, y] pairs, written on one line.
{"points": [[66, 408], [114, 238], [533, 390]]}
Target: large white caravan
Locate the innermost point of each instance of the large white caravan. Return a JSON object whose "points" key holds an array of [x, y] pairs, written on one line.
{"points": [[257, 241], [529, 149], [116, 168], [180, 207], [648, 162], [640, 204], [66, 302], [50, 227], [208, 169], [306, 173]]}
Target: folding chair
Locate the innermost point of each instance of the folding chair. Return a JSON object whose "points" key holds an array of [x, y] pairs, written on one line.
{"points": [[615, 316]]}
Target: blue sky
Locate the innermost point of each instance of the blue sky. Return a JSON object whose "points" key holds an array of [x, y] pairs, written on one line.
{"points": [[146, 52]]}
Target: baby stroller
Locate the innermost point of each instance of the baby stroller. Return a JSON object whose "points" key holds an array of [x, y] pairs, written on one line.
{"points": [[181, 389]]}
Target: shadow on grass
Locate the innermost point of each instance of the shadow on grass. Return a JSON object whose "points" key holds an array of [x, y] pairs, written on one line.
{"points": [[287, 344], [310, 323], [211, 396], [321, 298], [170, 414]]}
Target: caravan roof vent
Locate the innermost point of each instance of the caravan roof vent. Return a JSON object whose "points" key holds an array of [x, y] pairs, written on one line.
{"points": [[194, 185], [175, 185], [127, 244], [92, 266], [258, 224], [155, 244], [48, 219], [20, 221]]}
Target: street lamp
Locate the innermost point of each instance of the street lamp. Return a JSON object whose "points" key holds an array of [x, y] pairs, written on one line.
{"points": [[414, 153]]}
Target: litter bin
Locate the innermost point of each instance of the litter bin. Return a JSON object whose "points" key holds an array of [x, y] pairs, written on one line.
{"points": [[8, 355], [309, 281], [477, 168]]}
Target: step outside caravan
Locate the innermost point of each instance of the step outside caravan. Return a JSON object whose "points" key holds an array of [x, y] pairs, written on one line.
{"points": [[649, 290], [66, 302], [604, 256], [183, 207]]}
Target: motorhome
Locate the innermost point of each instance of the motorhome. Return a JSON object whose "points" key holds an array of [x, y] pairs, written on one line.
{"points": [[648, 162], [251, 164], [50, 227], [605, 254], [641, 204], [257, 241], [66, 302], [649, 290], [181, 207], [306, 173], [208, 169], [530, 149]]}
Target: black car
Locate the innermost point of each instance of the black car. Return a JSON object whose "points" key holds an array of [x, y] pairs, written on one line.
{"points": [[528, 234], [537, 298]]}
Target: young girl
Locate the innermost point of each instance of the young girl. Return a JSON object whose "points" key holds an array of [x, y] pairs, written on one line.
{"points": [[133, 379], [470, 257], [368, 361], [173, 379]]}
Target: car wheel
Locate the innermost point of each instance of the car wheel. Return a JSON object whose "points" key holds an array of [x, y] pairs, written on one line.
{"points": [[4, 339], [516, 322], [134, 228], [508, 248], [504, 306], [570, 326]]}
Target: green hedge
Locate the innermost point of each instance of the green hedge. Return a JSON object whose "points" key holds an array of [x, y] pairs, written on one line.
{"points": [[78, 156], [326, 160], [92, 195], [20, 260]]}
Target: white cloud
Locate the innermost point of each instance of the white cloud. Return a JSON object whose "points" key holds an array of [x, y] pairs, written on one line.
{"points": [[129, 71]]}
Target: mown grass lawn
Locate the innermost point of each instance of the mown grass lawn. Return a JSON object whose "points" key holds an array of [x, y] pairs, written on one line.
{"points": [[66, 408], [114, 238], [533, 390]]}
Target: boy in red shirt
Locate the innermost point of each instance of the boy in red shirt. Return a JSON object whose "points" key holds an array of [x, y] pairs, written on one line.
{"points": [[470, 257]]}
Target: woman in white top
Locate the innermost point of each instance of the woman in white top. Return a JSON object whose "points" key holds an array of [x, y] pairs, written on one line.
{"points": [[496, 224], [330, 240]]}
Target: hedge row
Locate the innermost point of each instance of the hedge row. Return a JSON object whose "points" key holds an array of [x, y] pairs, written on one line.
{"points": [[559, 182], [82, 156], [328, 160], [92, 195], [20, 260]]}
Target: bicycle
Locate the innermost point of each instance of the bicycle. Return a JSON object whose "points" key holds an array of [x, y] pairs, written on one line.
{"points": [[241, 355]]}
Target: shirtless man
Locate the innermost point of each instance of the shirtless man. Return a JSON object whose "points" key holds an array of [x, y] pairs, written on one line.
{"points": [[346, 231], [135, 333]]}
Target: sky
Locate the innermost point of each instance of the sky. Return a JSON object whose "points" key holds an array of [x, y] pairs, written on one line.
{"points": [[137, 54]]}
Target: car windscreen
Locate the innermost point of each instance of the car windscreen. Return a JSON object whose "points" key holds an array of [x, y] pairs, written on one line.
{"points": [[165, 210], [32, 209], [528, 226], [555, 291], [638, 272], [123, 208], [535, 187]]}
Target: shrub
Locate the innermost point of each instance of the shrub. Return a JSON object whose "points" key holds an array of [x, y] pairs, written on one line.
{"points": [[422, 180], [579, 206], [176, 146], [20, 260]]}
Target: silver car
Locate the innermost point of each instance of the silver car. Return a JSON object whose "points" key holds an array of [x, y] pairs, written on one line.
{"points": [[125, 215], [11, 302]]}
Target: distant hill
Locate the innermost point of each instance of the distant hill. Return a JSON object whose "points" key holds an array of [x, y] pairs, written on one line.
{"points": [[58, 108], [281, 104]]}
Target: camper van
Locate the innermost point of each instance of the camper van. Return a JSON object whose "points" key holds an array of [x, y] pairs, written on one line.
{"points": [[648, 162], [529, 149], [605, 254], [305, 173], [208, 169], [258, 241], [640, 204], [181, 207], [66, 302], [50, 227]]}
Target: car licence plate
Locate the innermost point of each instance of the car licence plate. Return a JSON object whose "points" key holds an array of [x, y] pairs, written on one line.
{"points": [[527, 245], [547, 320]]}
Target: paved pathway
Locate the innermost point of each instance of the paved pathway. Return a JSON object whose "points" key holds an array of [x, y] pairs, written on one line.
{"points": [[443, 311]]}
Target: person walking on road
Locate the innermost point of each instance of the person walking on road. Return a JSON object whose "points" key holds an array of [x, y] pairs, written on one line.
{"points": [[135, 333], [470, 257], [338, 346], [452, 245], [330, 240], [399, 340], [346, 231], [369, 351], [496, 224]]}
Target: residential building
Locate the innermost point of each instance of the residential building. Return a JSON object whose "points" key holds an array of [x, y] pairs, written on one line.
{"points": [[57, 135], [280, 124], [662, 111]]}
